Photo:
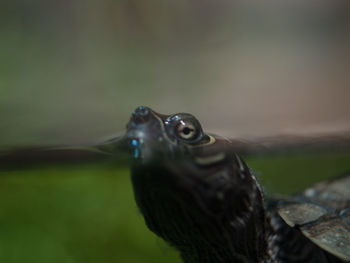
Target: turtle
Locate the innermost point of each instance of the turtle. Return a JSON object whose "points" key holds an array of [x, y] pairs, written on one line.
{"points": [[198, 194]]}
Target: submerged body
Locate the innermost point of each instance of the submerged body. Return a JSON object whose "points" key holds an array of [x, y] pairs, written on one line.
{"points": [[197, 194]]}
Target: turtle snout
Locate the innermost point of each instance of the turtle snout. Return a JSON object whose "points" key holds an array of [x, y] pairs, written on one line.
{"points": [[141, 115], [141, 123]]}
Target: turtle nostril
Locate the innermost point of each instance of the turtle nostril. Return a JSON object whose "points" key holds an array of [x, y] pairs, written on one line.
{"points": [[141, 111], [141, 114]]}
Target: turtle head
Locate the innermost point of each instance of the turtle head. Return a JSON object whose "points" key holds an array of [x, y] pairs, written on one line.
{"points": [[191, 187], [152, 136]]}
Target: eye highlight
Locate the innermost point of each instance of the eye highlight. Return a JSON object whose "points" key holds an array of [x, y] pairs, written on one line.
{"points": [[186, 130]]}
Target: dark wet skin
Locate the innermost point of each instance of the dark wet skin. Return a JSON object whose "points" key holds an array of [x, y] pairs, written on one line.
{"points": [[181, 181], [197, 194]]}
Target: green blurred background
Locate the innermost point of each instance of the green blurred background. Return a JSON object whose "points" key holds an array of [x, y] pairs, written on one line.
{"points": [[71, 72]]}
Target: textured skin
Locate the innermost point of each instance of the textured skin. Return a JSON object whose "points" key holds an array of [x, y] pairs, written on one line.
{"points": [[202, 230], [202, 198]]}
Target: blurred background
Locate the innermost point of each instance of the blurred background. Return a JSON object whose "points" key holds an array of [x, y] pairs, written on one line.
{"points": [[74, 70], [71, 72]]}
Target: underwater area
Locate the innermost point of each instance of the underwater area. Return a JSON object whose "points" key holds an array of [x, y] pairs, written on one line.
{"points": [[87, 212]]}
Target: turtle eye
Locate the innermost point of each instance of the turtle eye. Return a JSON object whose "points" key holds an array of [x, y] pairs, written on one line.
{"points": [[186, 130]]}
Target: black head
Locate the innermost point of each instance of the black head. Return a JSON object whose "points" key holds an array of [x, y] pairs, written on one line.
{"points": [[152, 135], [192, 189]]}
